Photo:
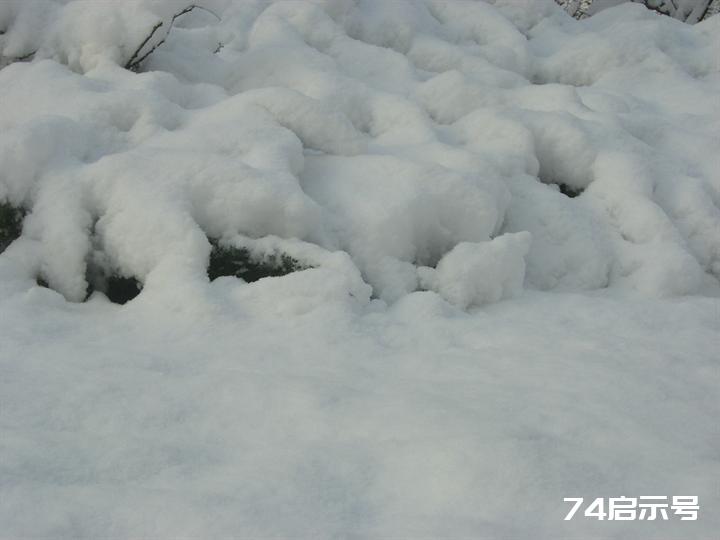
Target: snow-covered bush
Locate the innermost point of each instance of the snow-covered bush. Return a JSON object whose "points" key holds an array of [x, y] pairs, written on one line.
{"points": [[309, 225], [689, 11], [82, 32], [241, 262], [403, 135]]}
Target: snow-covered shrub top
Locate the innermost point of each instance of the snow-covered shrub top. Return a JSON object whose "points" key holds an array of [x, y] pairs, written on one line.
{"points": [[411, 135], [689, 11]]}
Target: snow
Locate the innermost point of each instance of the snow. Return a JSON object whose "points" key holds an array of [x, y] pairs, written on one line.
{"points": [[223, 418], [689, 11], [506, 224], [473, 274]]}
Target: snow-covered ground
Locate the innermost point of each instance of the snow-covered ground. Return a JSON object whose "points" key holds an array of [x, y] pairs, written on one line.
{"points": [[506, 230]]}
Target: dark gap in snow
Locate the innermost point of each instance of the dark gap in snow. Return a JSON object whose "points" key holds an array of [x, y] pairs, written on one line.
{"points": [[118, 289], [242, 263], [11, 219], [103, 276], [569, 191], [121, 290], [538, 79], [565, 189]]}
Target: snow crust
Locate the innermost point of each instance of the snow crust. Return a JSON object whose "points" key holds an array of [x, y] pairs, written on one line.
{"points": [[423, 160]]}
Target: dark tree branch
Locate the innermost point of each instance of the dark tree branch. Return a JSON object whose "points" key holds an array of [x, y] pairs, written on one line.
{"points": [[24, 57], [134, 63], [705, 11], [210, 11]]}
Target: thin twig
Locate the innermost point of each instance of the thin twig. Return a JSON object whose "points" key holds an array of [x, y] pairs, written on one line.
{"points": [[24, 57], [705, 11], [210, 11], [131, 64], [134, 65]]}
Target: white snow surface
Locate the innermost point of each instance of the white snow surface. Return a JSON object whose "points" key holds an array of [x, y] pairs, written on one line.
{"points": [[512, 224]]}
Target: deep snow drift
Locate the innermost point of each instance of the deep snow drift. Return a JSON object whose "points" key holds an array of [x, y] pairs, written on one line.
{"points": [[415, 162]]}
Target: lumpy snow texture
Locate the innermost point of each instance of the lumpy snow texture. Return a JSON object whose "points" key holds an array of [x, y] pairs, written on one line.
{"points": [[480, 273], [422, 160], [390, 130]]}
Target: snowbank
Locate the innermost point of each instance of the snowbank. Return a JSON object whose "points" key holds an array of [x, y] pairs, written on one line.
{"points": [[418, 421], [395, 168], [392, 131]]}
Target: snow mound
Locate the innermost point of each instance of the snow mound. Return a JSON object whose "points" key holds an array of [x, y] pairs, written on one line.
{"points": [[475, 274], [392, 131]]}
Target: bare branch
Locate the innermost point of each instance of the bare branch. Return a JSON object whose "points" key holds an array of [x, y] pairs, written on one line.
{"points": [[7, 60], [134, 63], [705, 12], [24, 57], [211, 12]]}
